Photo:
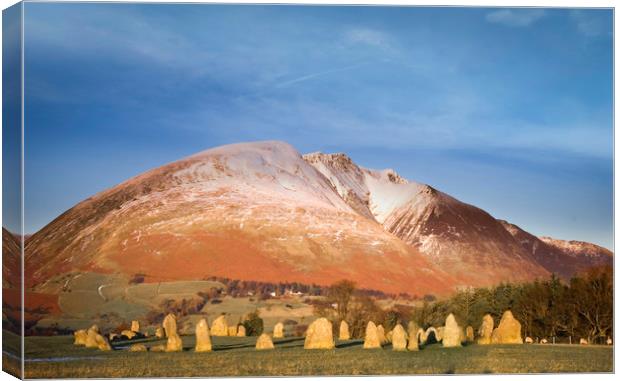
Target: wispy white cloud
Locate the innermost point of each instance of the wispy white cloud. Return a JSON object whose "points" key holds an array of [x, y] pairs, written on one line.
{"points": [[515, 17], [591, 23], [367, 36]]}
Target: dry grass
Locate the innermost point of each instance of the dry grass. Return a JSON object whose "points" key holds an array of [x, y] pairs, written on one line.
{"points": [[237, 357]]}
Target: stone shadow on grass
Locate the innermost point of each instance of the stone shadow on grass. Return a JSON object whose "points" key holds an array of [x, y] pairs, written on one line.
{"points": [[351, 343]]}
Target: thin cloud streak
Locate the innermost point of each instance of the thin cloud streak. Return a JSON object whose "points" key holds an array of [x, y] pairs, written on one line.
{"points": [[515, 17]]}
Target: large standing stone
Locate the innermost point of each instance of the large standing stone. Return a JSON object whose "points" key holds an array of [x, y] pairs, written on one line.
{"points": [[80, 337], [508, 331], [219, 326], [203, 339], [381, 332], [469, 334], [174, 343], [320, 335], [372, 339], [343, 333], [278, 331], [232, 330], [91, 337], [399, 338], [241, 331], [486, 330], [135, 326], [413, 332], [452, 333], [264, 342]]}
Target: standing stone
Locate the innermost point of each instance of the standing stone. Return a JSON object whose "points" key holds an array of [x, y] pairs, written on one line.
{"points": [[174, 343], [80, 337], [381, 332], [413, 332], [102, 343], [158, 348], [343, 333], [91, 337], [388, 337], [128, 334], [439, 333], [320, 335], [469, 334], [232, 330], [452, 333], [219, 326], [486, 330], [264, 342], [399, 338], [159, 332], [135, 326], [371, 339], [137, 348], [508, 331], [203, 340], [278, 331], [241, 331]]}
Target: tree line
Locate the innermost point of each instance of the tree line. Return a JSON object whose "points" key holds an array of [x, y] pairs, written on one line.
{"points": [[579, 308]]}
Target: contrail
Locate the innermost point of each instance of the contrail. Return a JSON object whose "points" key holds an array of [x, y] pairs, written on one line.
{"points": [[319, 74]]}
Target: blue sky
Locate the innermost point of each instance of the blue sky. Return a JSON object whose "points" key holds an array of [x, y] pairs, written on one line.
{"points": [[506, 109]]}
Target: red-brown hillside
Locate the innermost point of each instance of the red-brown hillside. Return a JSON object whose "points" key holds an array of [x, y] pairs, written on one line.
{"points": [[253, 211]]}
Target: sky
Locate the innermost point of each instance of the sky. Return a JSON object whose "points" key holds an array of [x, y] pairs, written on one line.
{"points": [[506, 109]]}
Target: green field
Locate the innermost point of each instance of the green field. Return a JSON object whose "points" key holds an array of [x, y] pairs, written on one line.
{"points": [[50, 357]]}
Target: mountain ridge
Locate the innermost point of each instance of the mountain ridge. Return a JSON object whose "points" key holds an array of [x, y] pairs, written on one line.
{"points": [[263, 211]]}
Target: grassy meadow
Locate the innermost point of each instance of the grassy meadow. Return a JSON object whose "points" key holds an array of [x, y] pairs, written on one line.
{"points": [[56, 356]]}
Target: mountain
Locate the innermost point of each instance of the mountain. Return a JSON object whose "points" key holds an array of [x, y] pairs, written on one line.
{"points": [[261, 211], [249, 211], [11, 264], [564, 258], [459, 238]]}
